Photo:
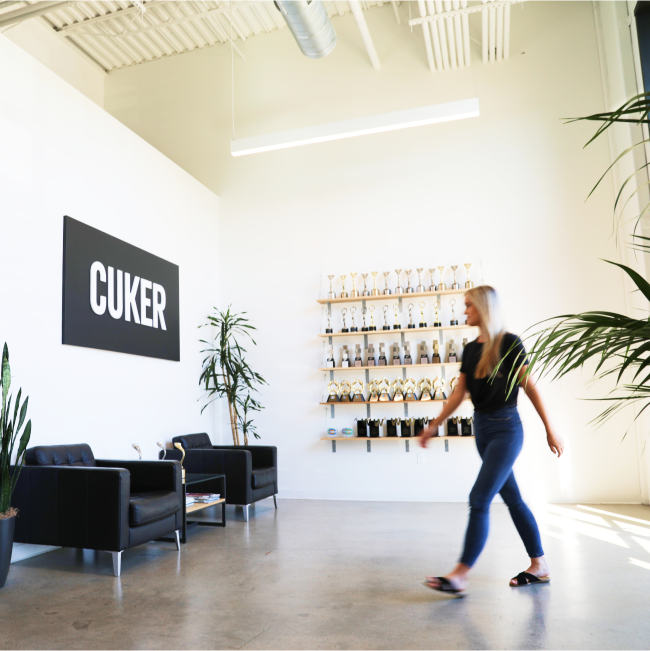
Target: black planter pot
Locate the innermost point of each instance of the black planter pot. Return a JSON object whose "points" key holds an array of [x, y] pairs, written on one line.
{"points": [[6, 543]]}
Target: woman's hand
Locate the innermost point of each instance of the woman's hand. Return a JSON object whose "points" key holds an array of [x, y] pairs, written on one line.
{"points": [[428, 432], [555, 442]]}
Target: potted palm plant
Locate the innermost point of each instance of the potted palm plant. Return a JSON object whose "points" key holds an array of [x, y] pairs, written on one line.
{"points": [[9, 433], [225, 372]]}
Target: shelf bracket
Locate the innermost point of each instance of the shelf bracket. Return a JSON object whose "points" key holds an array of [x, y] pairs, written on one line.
{"points": [[333, 446], [446, 445], [368, 445], [407, 446]]}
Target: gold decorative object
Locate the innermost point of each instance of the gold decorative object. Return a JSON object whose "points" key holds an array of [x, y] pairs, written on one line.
{"points": [[178, 446], [386, 290], [331, 292], [357, 391], [409, 289], [373, 390], [333, 388], [433, 285], [346, 389], [365, 291], [398, 390], [469, 284], [375, 291], [409, 390], [454, 382], [455, 284], [425, 389], [441, 285], [398, 289], [355, 292], [344, 294], [384, 396], [439, 389]]}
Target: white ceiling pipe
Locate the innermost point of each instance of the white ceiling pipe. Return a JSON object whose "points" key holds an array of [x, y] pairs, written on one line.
{"points": [[449, 28], [427, 37], [466, 45], [474, 9], [396, 10], [493, 32], [435, 36], [30, 11], [506, 32], [458, 32], [499, 33], [365, 33]]}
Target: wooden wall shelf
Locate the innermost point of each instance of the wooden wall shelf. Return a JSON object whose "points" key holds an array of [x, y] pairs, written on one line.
{"points": [[371, 368], [388, 333], [387, 438], [387, 402], [390, 297]]}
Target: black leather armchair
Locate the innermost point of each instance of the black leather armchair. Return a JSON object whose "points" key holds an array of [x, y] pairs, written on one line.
{"points": [[67, 498], [251, 470]]}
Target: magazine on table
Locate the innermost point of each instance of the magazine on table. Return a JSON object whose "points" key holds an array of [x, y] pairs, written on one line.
{"points": [[204, 498]]}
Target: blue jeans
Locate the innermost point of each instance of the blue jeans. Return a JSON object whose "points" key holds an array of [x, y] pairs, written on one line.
{"points": [[499, 439]]}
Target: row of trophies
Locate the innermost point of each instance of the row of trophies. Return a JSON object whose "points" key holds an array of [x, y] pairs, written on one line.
{"points": [[407, 427], [395, 357], [396, 326], [441, 286], [380, 390]]}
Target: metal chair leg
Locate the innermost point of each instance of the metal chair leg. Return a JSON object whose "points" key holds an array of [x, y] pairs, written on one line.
{"points": [[117, 563], [275, 501], [246, 512], [178, 540]]}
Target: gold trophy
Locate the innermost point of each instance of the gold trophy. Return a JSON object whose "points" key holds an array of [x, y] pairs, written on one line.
{"points": [[398, 289], [357, 390], [346, 388], [420, 287], [396, 325], [441, 285], [373, 327], [334, 389], [384, 395], [398, 390], [385, 326], [439, 389], [345, 328], [411, 324], [353, 328], [454, 320], [329, 330], [136, 447], [409, 289], [423, 323], [425, 390], [433, 285], [331, 292], [178, 446], [409, 390], [375, 291], [355, 292], [437, 323], [469, 284], [373, 391], [386, 290], [364, 311], [455, 284], [453, 383], [344, 294], [365, 291]]}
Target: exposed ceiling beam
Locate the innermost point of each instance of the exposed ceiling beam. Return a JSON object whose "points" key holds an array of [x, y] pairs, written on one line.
{"points": [[463, 12], [30, 11], [114, 14]]}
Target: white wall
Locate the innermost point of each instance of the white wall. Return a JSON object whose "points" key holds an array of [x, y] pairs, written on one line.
{"points": [[507, 189], [63, 155]]}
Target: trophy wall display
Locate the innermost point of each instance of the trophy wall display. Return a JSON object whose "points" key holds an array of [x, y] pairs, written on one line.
{"points": [[373, 391], [411, 324], [439, 389], [357, 391], [344, 294], [453, 383], [435, 356], [330, 358], [331, 292], [420, 287], [364, 311], [365, 291], [354, 328], [398, 390], [346, 389], [345, 357], [441, 284], [418, 425], [391, 426], [453, 426], [423, 323], [423, 355], [375, 291], [371, 356], [425, 389], [409, 390], [437, 323], [382, 361], [362, 428], [398, 289], [408, 360], [329, 330], [469, 284], [374, 427], [452, 357], [373, 327], [409, 289], [466, 426], [455, 284], [386, 290], [454, 320], [385, 326], [433, 287], [395, 354], [355, 292], [406, 427], [344, 311], [358, 356], [384, 391], [333, 389], [396, 325]]}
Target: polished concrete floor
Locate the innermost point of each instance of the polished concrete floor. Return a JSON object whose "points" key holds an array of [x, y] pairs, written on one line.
{"points": [[343, 575]]}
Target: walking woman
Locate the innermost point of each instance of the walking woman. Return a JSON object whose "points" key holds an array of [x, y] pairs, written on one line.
{"points": [[499, 438]]}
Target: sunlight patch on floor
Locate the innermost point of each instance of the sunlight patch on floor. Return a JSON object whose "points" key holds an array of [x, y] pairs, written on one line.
{"points": [[639, 563], [612, 514]]}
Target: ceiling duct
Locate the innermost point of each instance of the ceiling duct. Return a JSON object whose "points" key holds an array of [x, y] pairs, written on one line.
{"points": [[310, 25]]}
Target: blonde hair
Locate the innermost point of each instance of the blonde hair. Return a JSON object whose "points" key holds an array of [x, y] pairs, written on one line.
{"points": [[486, 302]]}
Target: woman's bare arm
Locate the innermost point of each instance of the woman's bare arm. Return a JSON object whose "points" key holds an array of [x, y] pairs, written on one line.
{"points": [[449, 408]]}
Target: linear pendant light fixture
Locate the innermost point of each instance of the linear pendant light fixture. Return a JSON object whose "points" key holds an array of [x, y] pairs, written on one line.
{"points": [[466, 108]]}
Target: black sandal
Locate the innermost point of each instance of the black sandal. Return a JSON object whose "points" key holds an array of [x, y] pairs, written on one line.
{"points": [[445, 586], [526, 578]]}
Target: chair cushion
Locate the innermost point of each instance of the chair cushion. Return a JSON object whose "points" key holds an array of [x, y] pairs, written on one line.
{"points": [[263, 477], [194, 441], [60, 455], [150, 506]]}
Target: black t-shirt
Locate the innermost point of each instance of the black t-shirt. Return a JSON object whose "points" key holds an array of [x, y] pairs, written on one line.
{"points": [[489, 395]]}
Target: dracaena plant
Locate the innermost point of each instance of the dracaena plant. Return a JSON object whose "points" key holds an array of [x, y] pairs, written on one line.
{"points": [[617, 344], [225, 372], [10, 428]]}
